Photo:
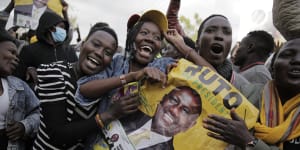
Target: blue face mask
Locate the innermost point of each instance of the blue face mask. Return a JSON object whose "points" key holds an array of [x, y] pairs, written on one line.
{"points": [[60, 34]]}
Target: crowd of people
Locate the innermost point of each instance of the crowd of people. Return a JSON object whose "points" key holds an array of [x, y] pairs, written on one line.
{"points": [[51, 98]]}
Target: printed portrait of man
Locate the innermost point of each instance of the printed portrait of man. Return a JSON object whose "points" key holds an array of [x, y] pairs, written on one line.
{"points": [[29, 15], [177, 112]]}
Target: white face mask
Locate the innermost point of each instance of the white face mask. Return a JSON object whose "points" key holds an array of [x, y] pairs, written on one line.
{"points": [[59, 35]]}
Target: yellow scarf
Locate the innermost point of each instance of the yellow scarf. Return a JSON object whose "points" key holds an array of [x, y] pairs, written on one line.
{"points": [[278, 123]]}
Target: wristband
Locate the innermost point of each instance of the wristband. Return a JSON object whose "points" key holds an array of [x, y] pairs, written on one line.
{"points": [[252, 143]]}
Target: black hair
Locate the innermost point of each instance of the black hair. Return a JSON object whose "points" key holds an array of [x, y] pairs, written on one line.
{"points": [[264, 42], [189, 42], [187, 88], [131, 35], [205, 20], [105, 29], [99, 25]]}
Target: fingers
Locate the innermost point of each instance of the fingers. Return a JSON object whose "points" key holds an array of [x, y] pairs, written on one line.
{"points": [[156, 75], [218, 118], [171, 66], [234, 115], [128, 104], [31, 73], [214, 126], [15, 131], [216, 136], [27, 76]]}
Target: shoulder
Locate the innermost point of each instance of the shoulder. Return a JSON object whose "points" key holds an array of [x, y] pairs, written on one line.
{"points": [[59, 65], [16, 83], [238, 79], [53, 71], [161, 63]]}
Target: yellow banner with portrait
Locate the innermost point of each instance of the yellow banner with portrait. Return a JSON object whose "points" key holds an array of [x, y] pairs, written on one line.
{"points": [[218, 96], [171, 117], [28, 12], [54, 5]]}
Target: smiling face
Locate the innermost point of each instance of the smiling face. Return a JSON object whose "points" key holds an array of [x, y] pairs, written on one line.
{"points": [[8, 58], [287, 67], [97, 52], [148, 43], [177, 112], [214, 41]]}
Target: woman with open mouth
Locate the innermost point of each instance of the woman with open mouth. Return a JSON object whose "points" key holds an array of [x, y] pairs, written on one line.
{"points": [[213, 44]]}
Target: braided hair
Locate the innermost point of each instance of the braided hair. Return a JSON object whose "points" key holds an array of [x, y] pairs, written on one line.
{"points": [[130, 39]]}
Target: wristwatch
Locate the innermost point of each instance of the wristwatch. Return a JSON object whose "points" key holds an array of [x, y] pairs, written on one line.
{"points": [[252, 143]]}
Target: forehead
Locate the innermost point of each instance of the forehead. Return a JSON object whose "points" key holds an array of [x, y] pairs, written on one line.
{"points": [[100, 34], [7, 43], [105, 38], [186, 97], [217, 21], [293, 44], [61, 24], [151, 26]]}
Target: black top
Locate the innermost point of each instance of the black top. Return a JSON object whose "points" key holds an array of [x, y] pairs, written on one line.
{"points": [[64, 123]]}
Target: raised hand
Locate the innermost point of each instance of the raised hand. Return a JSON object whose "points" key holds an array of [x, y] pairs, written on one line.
{"points": [[175, 38]]}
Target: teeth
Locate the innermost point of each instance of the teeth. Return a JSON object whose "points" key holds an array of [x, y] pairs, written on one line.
{"points": [[296, 71], [93, 60], [147, 48], [168, 118]]}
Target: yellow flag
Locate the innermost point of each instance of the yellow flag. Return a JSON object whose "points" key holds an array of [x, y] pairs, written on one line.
{"points": [[217, 95]]}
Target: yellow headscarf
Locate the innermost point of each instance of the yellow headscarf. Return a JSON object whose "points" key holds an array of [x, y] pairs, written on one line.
{"points": [[278, 123]]}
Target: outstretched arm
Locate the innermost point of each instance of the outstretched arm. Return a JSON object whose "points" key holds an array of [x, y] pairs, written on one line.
{"points": [[172, 16], [96, 88], [176, 39]]}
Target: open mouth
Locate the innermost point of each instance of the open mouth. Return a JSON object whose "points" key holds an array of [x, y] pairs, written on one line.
{"points": [[146, 51], [295, 72], [217, 48], [169, 119], [93, 61]]}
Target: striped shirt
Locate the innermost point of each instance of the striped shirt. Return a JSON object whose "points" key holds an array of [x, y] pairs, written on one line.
{"points": [[64, 123]]}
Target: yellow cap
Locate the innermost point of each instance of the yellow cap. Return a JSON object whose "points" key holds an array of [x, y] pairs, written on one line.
{"points": [[156, 17]]}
